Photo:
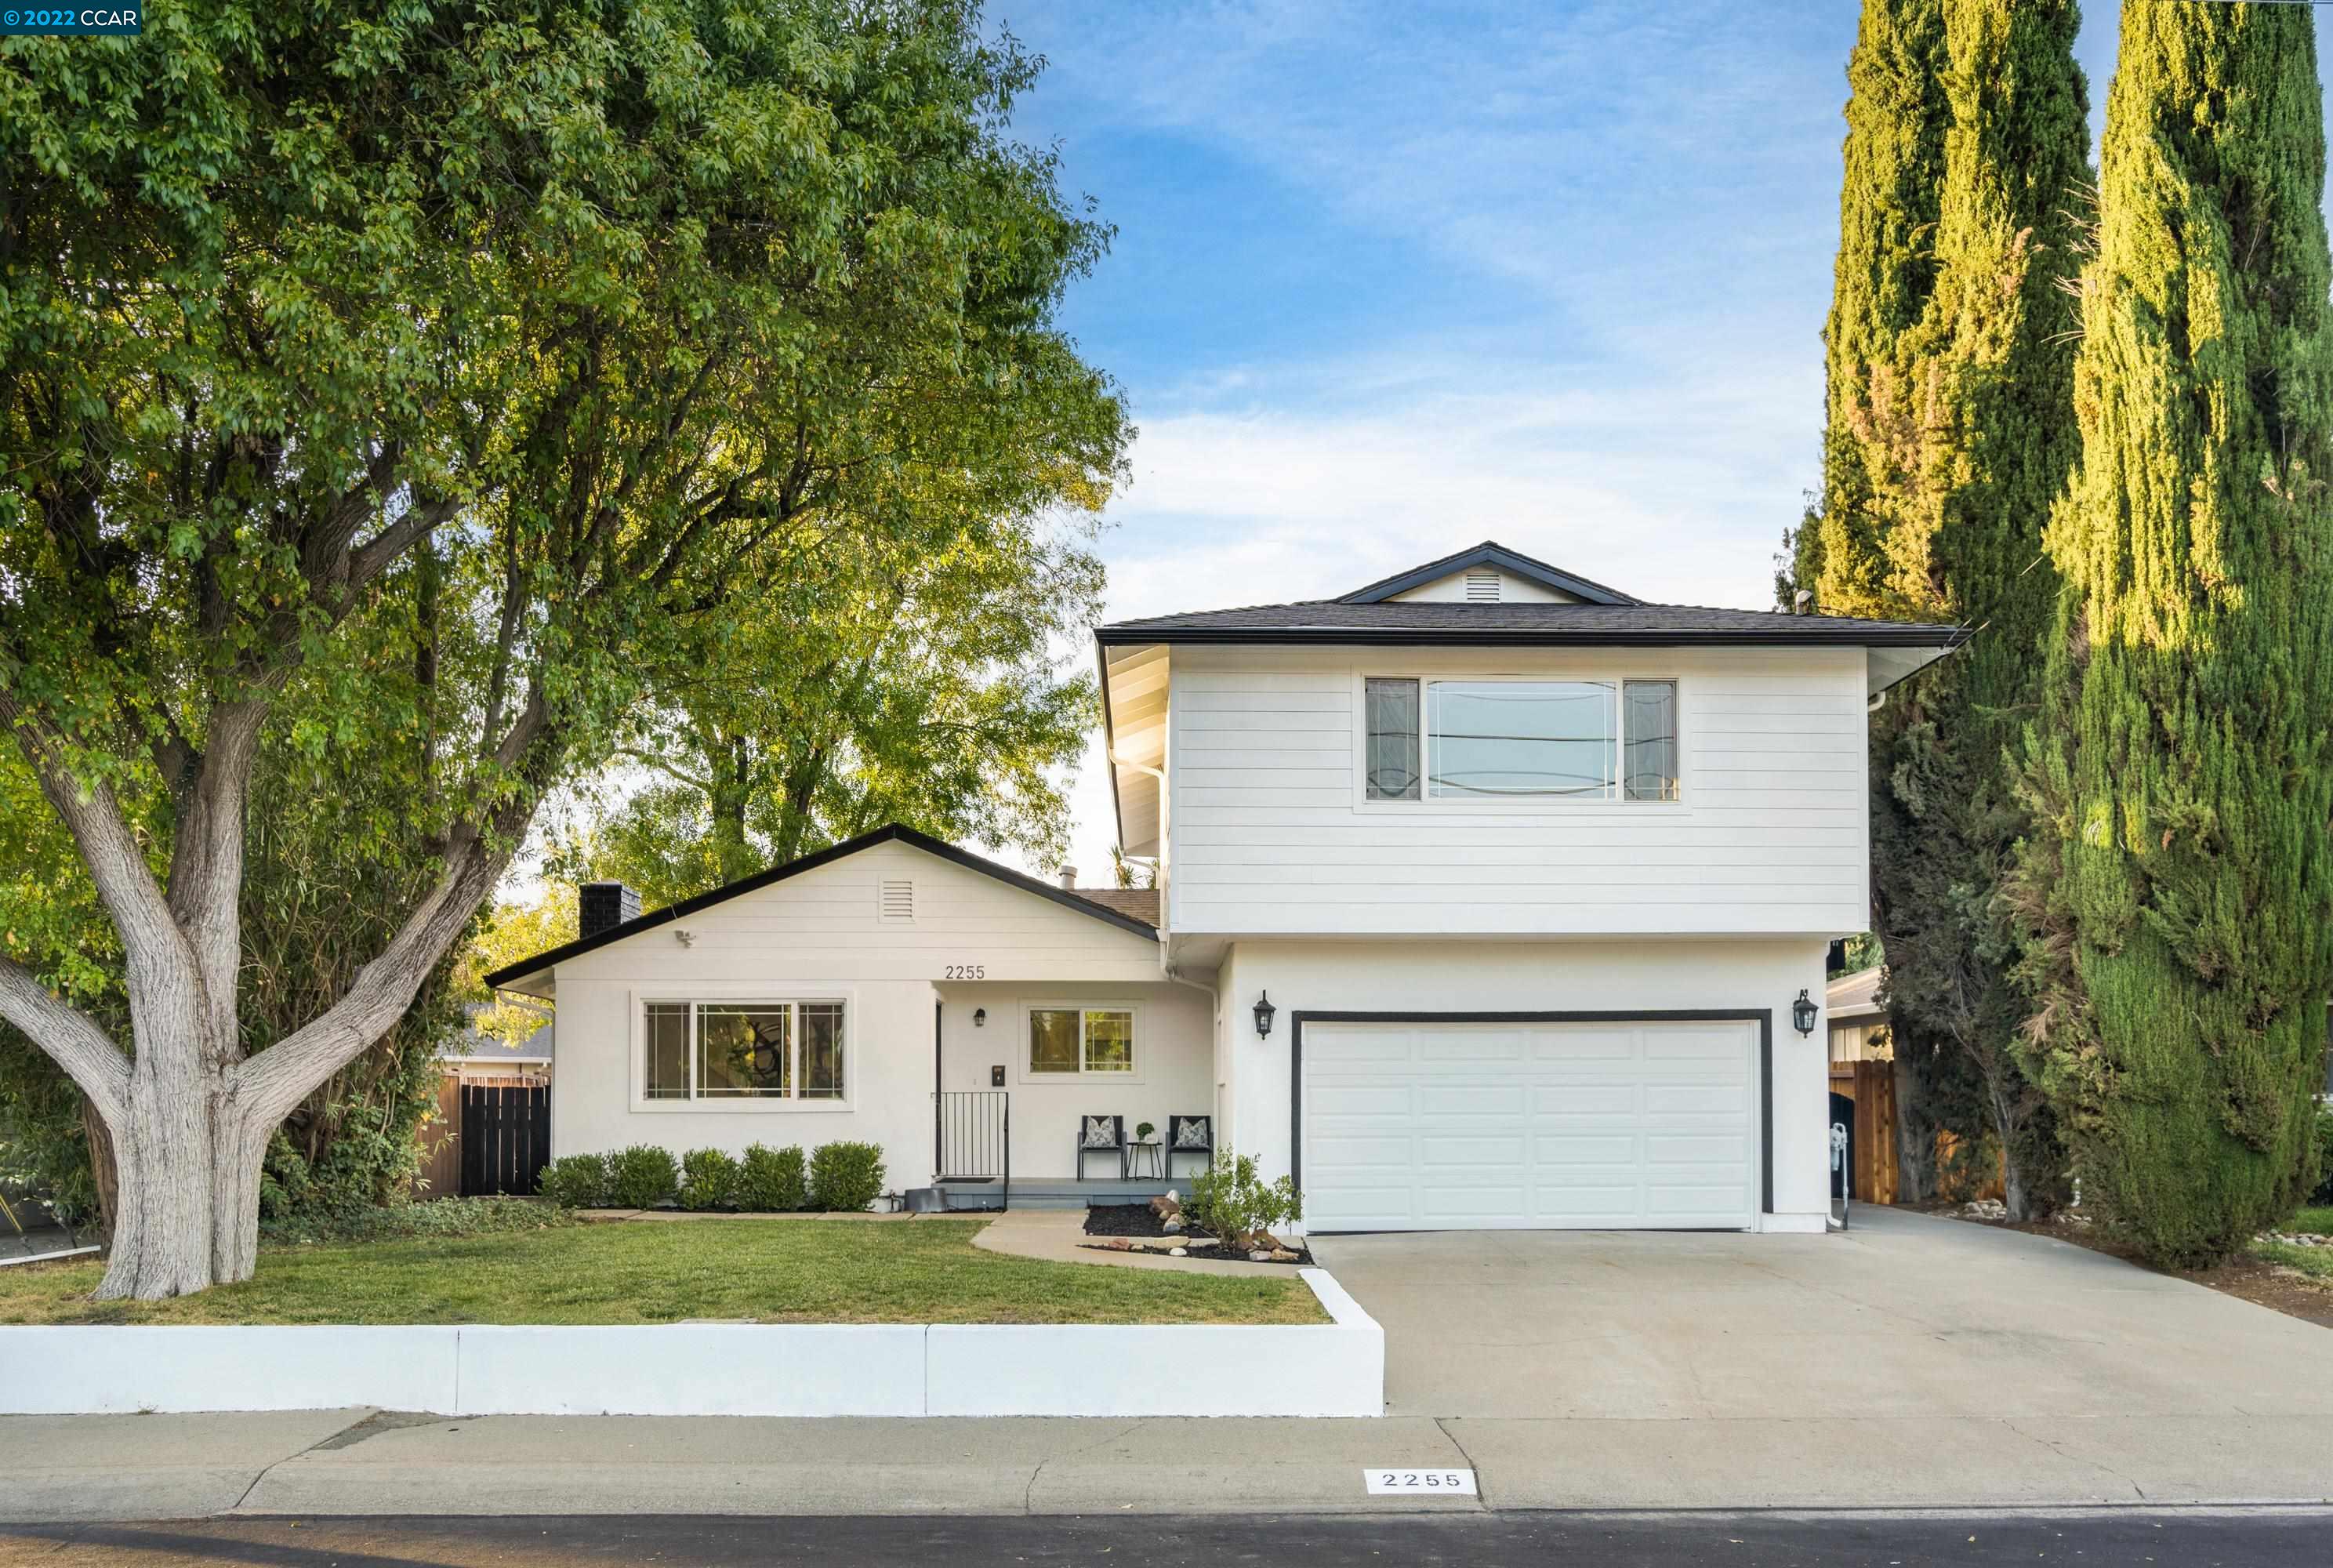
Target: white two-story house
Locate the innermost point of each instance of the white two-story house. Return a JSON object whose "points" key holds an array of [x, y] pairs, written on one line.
{"points": [[1489, 897]]}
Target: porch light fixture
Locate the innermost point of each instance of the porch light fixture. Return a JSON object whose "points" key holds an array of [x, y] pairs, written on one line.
{"points": [[1264, 1012], [980, 1017], [1803, 1012]]}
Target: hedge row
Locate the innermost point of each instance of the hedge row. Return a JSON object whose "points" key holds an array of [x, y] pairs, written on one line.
{"points": [[836, 1176]]}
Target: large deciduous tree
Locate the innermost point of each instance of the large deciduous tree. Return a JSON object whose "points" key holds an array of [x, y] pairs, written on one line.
{"points": [[2177, 886], [561, 321], [1950, 432], [915, 680]]}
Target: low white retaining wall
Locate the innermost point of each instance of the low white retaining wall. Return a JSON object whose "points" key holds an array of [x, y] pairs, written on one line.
{"points": [[713, 1369]]}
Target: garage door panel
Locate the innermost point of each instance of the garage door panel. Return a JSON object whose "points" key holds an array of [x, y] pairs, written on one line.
{"points": [[1667, 1150], [1577, 1148], [1472, 1099], [1585, 1100], [1486, 1127], [1722, 1098], [1574, 1042], [1363, 1100]]}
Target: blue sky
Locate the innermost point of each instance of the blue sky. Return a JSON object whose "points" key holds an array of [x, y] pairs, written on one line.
{"points": [[1391, 278]]}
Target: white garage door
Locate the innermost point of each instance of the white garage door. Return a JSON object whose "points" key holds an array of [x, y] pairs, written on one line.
{"points": [[1530, 1126]]}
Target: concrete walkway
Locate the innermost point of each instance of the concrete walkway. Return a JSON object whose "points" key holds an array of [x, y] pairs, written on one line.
{"points": [[1912, 1363]]}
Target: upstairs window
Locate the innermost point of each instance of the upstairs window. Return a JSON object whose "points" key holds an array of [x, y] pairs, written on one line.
{"points": [[1392, 761], [1520, 739], [708, 1051]]}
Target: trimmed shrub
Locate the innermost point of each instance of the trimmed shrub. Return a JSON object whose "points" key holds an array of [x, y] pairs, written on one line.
{"points": [[845, 1177], [642, 1176], [772, 1180], [1231, 1201], [2324, 1193], [576, 1181], [708, 1178]]}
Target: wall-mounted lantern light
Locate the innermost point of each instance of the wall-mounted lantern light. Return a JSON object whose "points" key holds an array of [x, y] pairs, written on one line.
{"points": [[1264, 1012], [1803, 1012], [980, 1017]]}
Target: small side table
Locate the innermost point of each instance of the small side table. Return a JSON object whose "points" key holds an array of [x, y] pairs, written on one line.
{"points": [[1138, 1154]]}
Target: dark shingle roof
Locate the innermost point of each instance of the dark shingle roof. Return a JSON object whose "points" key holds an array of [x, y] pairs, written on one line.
{"points": [[1138, 903], [1333, 621]]}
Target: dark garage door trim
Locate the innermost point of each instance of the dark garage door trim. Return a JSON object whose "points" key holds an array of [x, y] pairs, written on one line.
{"points": [[1762, 1016]]}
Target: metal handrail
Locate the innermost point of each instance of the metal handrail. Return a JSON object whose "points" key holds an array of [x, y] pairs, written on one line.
{"points": [[975, 1131]]}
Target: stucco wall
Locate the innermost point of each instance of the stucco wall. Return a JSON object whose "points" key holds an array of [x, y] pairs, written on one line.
{"points": [[1173, 1051], [1535, 976], [820, 935]]}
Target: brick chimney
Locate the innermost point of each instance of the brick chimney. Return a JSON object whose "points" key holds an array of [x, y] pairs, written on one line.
{"points": [[602, 905]]}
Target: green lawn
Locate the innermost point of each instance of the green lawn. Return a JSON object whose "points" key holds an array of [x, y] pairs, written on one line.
{"points": [[2314, 1261], [2314, 1221], [770, 1271]]}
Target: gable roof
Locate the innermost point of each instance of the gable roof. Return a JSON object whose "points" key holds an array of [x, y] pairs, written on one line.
{"points": [[1141, 903], [895, 833], [1520, 625], [1489, 552]]}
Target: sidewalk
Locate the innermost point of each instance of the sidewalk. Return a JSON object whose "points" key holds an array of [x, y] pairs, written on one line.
{"points": [[63, 1469]]}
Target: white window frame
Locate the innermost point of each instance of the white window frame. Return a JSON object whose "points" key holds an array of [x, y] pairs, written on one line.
{"points": [[1614, 804], [1023, 1073], [791, 1104]]}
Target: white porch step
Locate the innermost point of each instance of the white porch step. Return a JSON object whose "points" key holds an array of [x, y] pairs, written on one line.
{"points": [[1055, 1192]]}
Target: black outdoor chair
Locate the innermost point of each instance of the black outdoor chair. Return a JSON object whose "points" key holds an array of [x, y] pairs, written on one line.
{"points": [[1101, 1135], [1190, 1135]]}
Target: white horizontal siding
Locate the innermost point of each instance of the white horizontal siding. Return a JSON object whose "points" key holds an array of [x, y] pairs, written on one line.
{"points": [[1270, 838]]}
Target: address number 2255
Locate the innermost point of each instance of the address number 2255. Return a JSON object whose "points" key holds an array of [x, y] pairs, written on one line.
{"points": [[966, 972]]}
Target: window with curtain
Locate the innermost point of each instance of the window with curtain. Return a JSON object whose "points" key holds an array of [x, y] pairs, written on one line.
{"points": [[742, 1051], [1392, 763], [1649, 769]]}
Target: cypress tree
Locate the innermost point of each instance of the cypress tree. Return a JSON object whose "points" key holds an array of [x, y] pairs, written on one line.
{"points": [[1894, 161], [2176, 888], [1947, 442]]}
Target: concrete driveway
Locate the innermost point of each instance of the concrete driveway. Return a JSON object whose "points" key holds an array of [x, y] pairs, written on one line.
{"points": [[1911, 1359]]}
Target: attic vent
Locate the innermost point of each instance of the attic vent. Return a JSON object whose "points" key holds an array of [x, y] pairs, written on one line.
{"points": [[1482, 588], [897, 901]]}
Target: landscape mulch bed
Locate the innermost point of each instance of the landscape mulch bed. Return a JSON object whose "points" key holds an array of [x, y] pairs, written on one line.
{"points": [[1136, 1220], [2249, 1278]]}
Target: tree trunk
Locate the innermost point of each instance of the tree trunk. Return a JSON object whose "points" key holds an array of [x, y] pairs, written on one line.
{"points": [[102, 1169], [1915, 1135], [162, 1233]]}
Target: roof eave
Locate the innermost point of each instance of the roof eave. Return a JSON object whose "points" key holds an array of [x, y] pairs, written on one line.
{"points": [[1943, 638]]}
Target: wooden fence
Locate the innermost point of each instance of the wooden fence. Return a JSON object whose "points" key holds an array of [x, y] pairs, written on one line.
{"points": [[441, 1143], [1871, 1135]]}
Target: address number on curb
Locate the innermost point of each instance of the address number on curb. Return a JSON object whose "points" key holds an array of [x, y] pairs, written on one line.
{"points": [[1403, 1483]]}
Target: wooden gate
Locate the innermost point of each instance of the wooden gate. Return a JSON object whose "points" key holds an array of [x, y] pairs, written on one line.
{"points": [[1871, 1170], [505, 1138], [440, 1175]]}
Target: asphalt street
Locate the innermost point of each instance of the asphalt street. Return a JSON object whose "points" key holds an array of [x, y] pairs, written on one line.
{"points": [[2186, 1538]]}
